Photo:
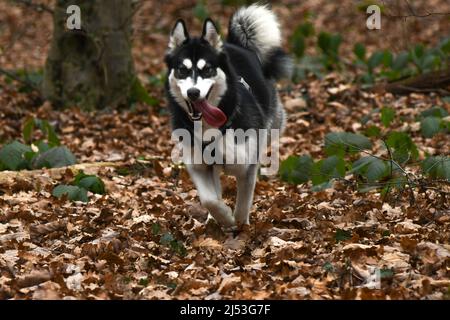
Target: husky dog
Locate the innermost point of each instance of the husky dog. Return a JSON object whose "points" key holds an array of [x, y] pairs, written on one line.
{"points": [[227, 85]]}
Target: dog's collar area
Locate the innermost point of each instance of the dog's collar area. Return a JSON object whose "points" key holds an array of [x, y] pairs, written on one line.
{"points": [[245, 84], [224, 127], [227, 125], [229, 122]]}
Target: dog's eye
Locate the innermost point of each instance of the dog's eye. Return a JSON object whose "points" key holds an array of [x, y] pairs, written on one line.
{"points": [[182, 72], [208, 72]]}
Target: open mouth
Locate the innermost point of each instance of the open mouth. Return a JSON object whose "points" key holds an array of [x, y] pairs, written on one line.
{"points": [[193, 113]]}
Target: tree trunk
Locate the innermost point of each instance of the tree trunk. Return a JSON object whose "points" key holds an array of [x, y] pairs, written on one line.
{"points": [[91, 67]]}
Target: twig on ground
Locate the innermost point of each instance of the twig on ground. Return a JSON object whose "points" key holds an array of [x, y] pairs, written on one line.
{"points": [[4, 175], [412, 198], [414, 14]]}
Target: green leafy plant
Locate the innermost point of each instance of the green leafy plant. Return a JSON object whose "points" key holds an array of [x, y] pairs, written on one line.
{"points": [[330, 44], [342, 235], [89, 182], [363, 4], [360, 52], [380, 65], [157, 80], [73, 193], [305, 64], [46, 128], [167, 239], [299, 37], [387, 116], [386, 65], [437, 167], [56, 157], [401, 147], [340, 143], [324, 171], [12, 156], [432, 122], [200, 11], [372, 168], [237, 2], [350, 154], [45, 152], [139, 94], [29, 80], [296, 170], [78, 189]]}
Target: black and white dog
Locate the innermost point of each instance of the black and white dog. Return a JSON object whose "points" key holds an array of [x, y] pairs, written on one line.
{"points": [[227, 85]]}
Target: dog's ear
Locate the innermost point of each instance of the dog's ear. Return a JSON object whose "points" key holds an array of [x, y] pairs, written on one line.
{"points": [[211, 35], [178, 35]]}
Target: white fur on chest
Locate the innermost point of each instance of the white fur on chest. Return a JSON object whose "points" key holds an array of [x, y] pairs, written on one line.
{"points": [[223, 150]]}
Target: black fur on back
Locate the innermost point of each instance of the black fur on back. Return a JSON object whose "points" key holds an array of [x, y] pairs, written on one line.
{"points": [[253, 107]]}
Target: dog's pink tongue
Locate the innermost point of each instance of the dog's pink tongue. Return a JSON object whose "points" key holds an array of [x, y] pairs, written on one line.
{"points": [[213, 115]]}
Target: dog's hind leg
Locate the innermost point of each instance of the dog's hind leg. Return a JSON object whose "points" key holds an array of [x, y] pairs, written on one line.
{"points": [[207, 182], [245, 189]]}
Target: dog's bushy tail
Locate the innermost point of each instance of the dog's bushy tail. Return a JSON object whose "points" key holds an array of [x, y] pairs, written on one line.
{"points": [[256, 28]]}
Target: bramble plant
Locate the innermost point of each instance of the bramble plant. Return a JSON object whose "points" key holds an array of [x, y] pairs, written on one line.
{"points": [[46, 152], [168, 240], [200, 11], [28, 80], [385, 65], [379, 65], [79, 187], [349, 154], [140, 94]]}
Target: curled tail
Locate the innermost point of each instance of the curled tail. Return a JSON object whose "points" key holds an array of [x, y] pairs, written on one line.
{"points": [[256, 28]]}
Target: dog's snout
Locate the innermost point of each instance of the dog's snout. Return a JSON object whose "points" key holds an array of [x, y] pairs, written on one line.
{"points": [[193, 94]]}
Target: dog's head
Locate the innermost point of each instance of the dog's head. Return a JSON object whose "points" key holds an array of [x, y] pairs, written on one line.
{"points": [[196, 80]]}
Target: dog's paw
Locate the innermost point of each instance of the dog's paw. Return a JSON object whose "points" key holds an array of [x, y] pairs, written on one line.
{"points": [[213, 229], [230, 229], [242, 222], [212, 224], [210, 219]]}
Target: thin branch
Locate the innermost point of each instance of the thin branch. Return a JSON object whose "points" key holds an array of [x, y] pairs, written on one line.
{"points": [[435, 81], [412, 198], [434, 189], [429, 14], [411, 182], [37, 6], [391, 169], [414, 14], [390, 157]]}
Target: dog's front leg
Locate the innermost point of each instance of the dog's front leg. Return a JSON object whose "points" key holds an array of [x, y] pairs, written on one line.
{"points": [[245, 188], [208, 187]]}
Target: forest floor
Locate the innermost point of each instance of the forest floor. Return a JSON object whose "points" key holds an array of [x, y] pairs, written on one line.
{"points": [[146, 238]]}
